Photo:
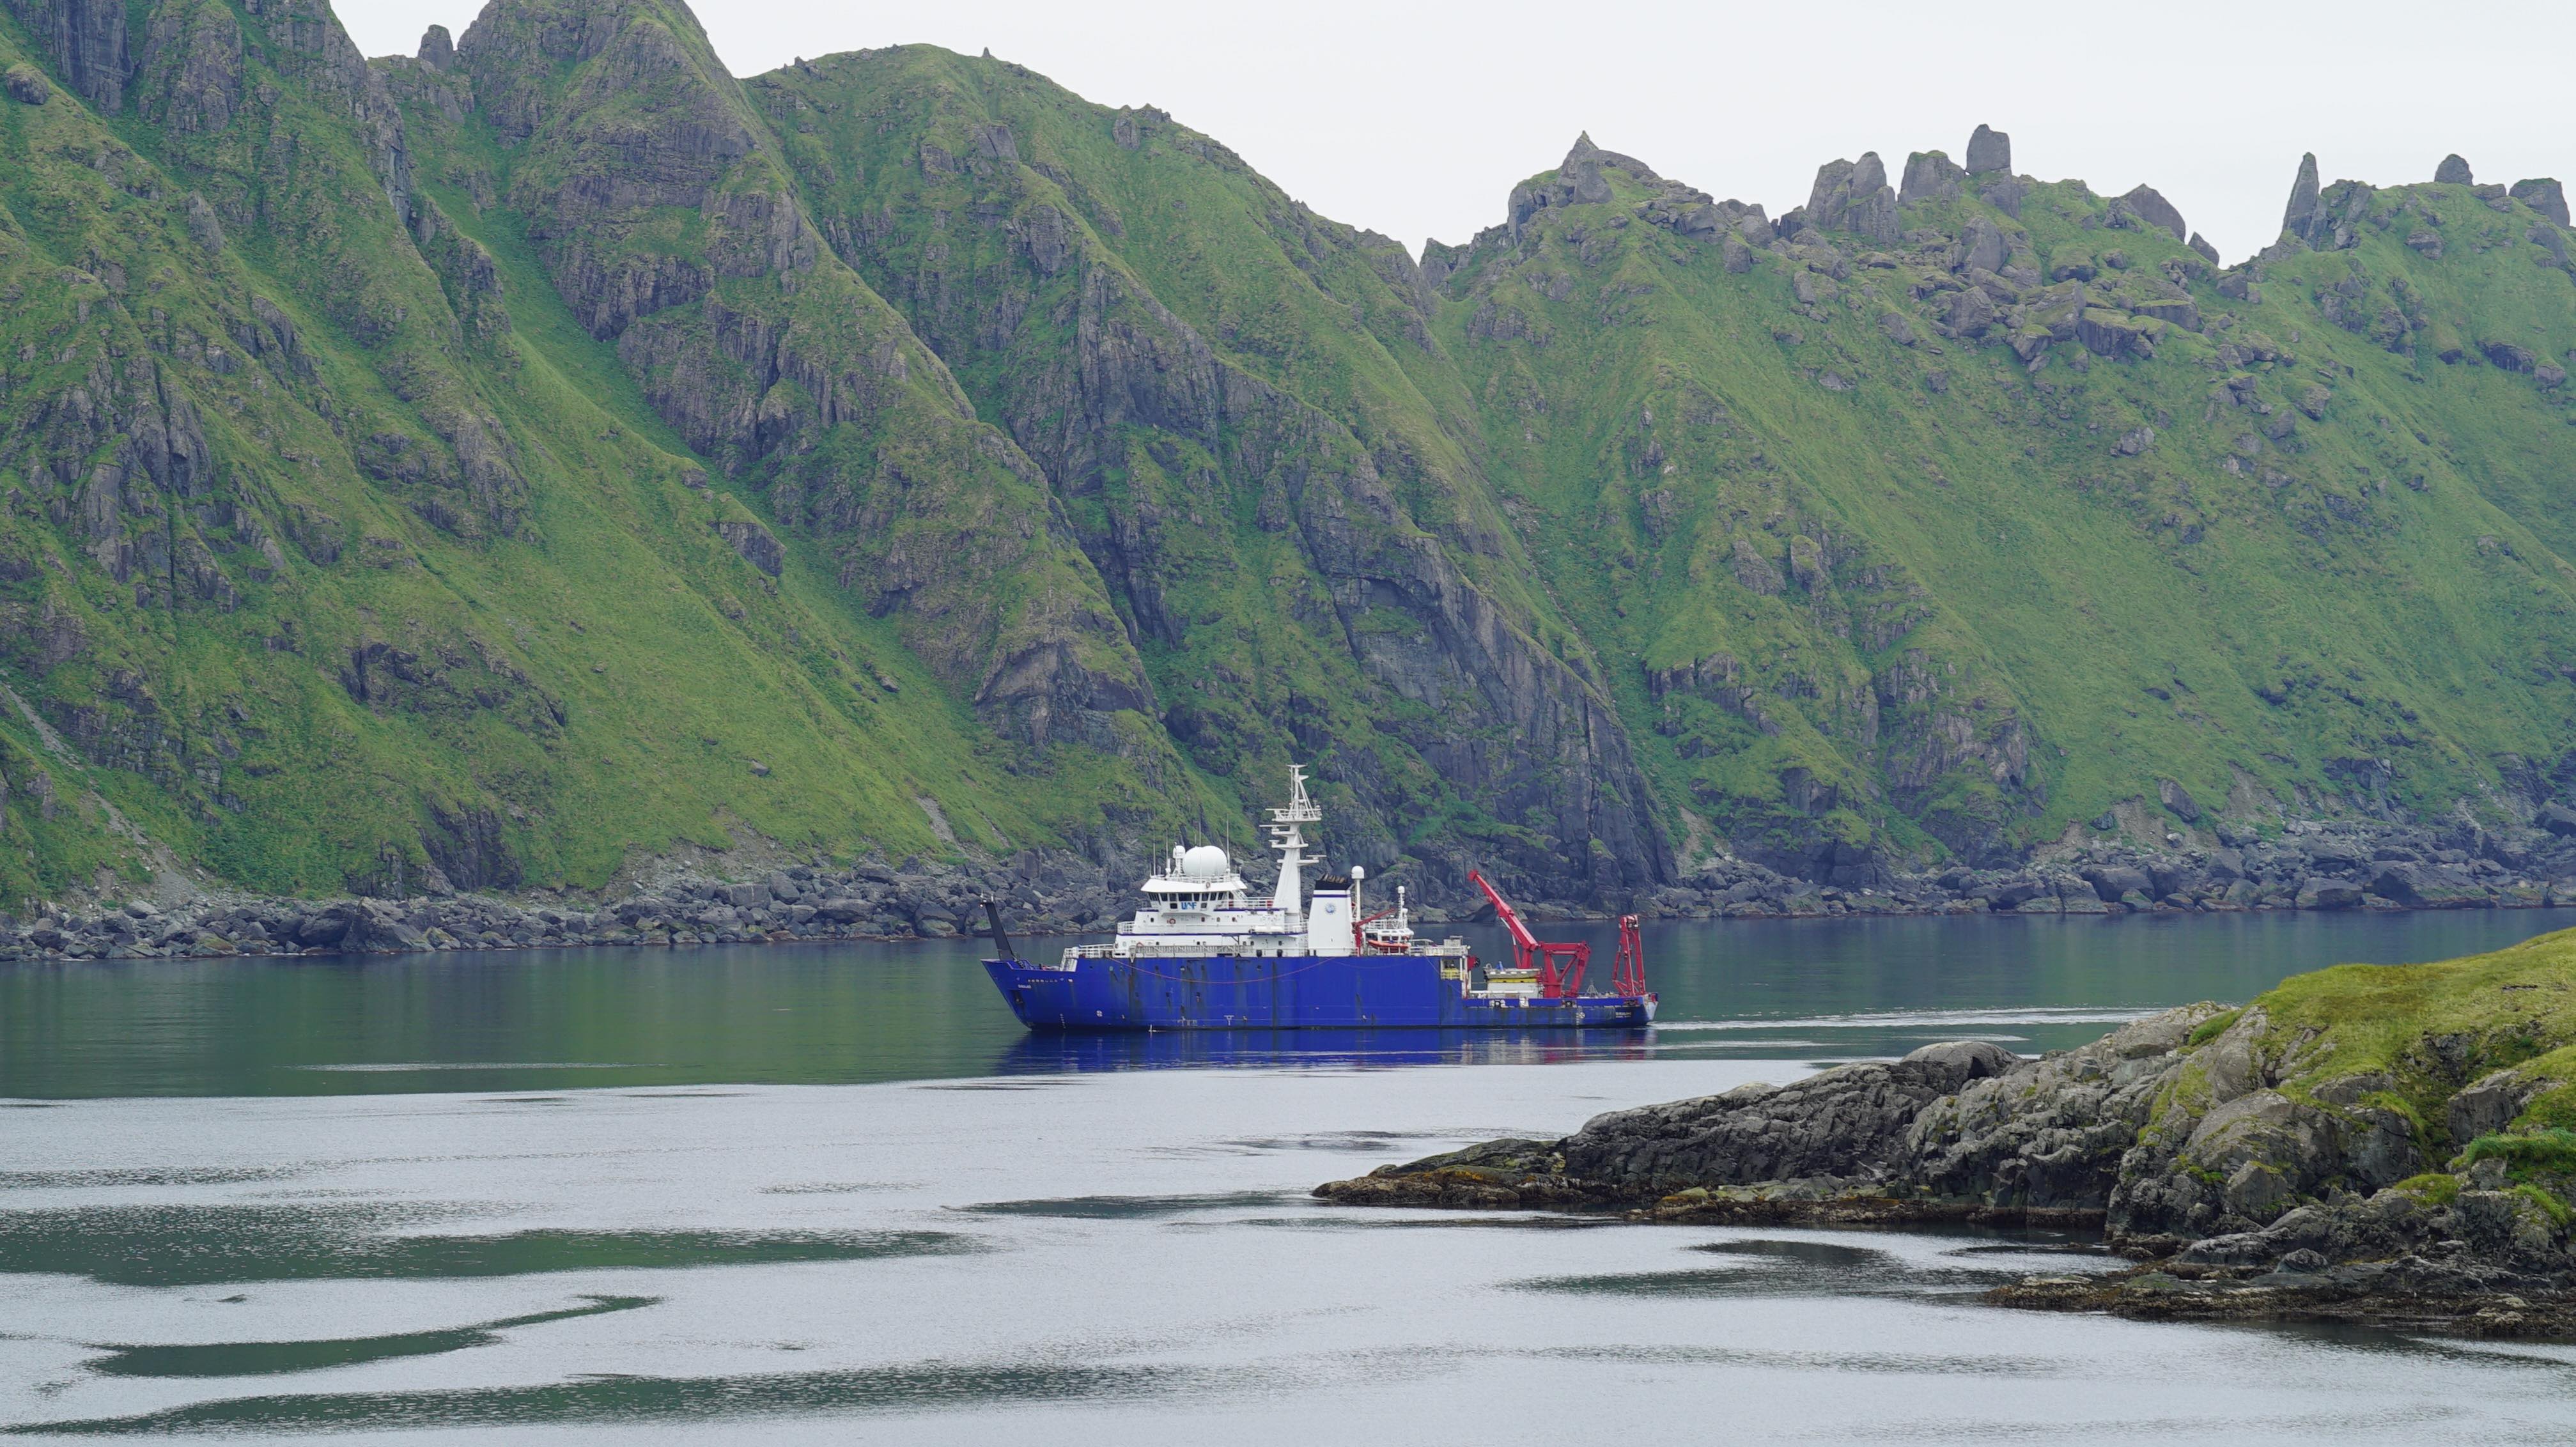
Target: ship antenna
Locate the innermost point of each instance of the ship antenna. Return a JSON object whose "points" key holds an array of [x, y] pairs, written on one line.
{"points": [[1287, 835]]}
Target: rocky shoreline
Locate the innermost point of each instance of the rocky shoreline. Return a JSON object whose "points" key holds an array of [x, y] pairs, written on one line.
{"points": [[674, 905], [2254, 1164], [2111, 867], [2332, 865]]}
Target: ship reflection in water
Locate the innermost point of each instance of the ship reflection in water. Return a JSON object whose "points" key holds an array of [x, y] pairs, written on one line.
{"points": [[1048, 1053]]}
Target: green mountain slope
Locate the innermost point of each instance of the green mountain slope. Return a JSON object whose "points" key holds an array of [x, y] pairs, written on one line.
{"points": [[506, 465], [1899, 546], [339, 550], [1293, 523]]}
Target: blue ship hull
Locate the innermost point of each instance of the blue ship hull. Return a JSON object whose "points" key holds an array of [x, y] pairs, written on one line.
{"points": [[1292, 992]]}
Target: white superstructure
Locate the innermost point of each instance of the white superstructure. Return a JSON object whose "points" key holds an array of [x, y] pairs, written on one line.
{"points": [[1201, 905]]}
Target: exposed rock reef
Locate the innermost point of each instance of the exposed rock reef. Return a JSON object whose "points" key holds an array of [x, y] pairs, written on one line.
{"points": [[547, 453], [2366, 1143]]}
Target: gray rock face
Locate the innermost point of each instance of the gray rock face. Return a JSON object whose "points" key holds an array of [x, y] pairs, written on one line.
{"points": [[2454, 171], [86, 39], [2192, 1153], [1849, 1123], [1955, 1128], [2545, 196], [2231, 1153], [437, 48], [2486, 1239], [1972, 313], [1854, 196], [26, 85], [756, 545], [2300, 218], [2177, 798], [2489, 1105], [1989, 152], [1982, 247], [1930, 176], [2048, 1133], [1578, 181], [2150, 206], [204, 227], [2201, 244]]}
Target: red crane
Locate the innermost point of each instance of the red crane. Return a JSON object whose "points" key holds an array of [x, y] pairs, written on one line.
{"points": [[1627, 971], [1532, 953]]}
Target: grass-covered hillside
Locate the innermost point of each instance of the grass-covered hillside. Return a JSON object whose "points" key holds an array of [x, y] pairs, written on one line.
{"points": [[501, 465], [2426, 1079], [339, 549], [1953, 534]]}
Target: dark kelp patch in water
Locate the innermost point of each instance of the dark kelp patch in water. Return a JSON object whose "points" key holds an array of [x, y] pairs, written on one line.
{"points": [[129, 1179], [1803, 1253], [1873, 1363], [650, 1399], [1705, 1282], [209, 1245], [1775, 1267], [1131, 1208], [1330, 1221], [1339, 1140], [269, 1358]]}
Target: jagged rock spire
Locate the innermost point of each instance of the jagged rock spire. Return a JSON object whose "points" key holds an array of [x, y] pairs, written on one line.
{"points": [[1929, 176], [1989, 150], [2149, 205], [1854, 196], [2301, 216], [2543, 195]]}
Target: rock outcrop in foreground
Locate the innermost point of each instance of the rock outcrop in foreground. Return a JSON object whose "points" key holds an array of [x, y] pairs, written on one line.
{"points": [[2381, 1143]]}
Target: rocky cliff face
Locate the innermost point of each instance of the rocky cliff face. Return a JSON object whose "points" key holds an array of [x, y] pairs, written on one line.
{"points": [[762, 350], [1042, 461], [1311, 511]]}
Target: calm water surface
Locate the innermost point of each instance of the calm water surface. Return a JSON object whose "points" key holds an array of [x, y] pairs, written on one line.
{"points": [[834, 1194]]}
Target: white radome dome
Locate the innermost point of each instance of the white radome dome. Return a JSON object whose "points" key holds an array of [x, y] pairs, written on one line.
{"points": [[1206, 862]]}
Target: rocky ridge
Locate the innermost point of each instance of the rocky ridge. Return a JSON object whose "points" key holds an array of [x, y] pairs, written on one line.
{"points": [[2285, 1160]]}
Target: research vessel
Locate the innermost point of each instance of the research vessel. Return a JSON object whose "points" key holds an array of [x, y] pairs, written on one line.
{"points": [[1204, 953]]}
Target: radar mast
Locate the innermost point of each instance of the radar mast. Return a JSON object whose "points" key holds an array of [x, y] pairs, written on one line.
{"points": [[1288, 837]]}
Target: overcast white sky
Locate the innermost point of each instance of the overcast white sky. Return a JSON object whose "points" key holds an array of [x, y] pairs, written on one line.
{"points": [[1416, 119]]}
